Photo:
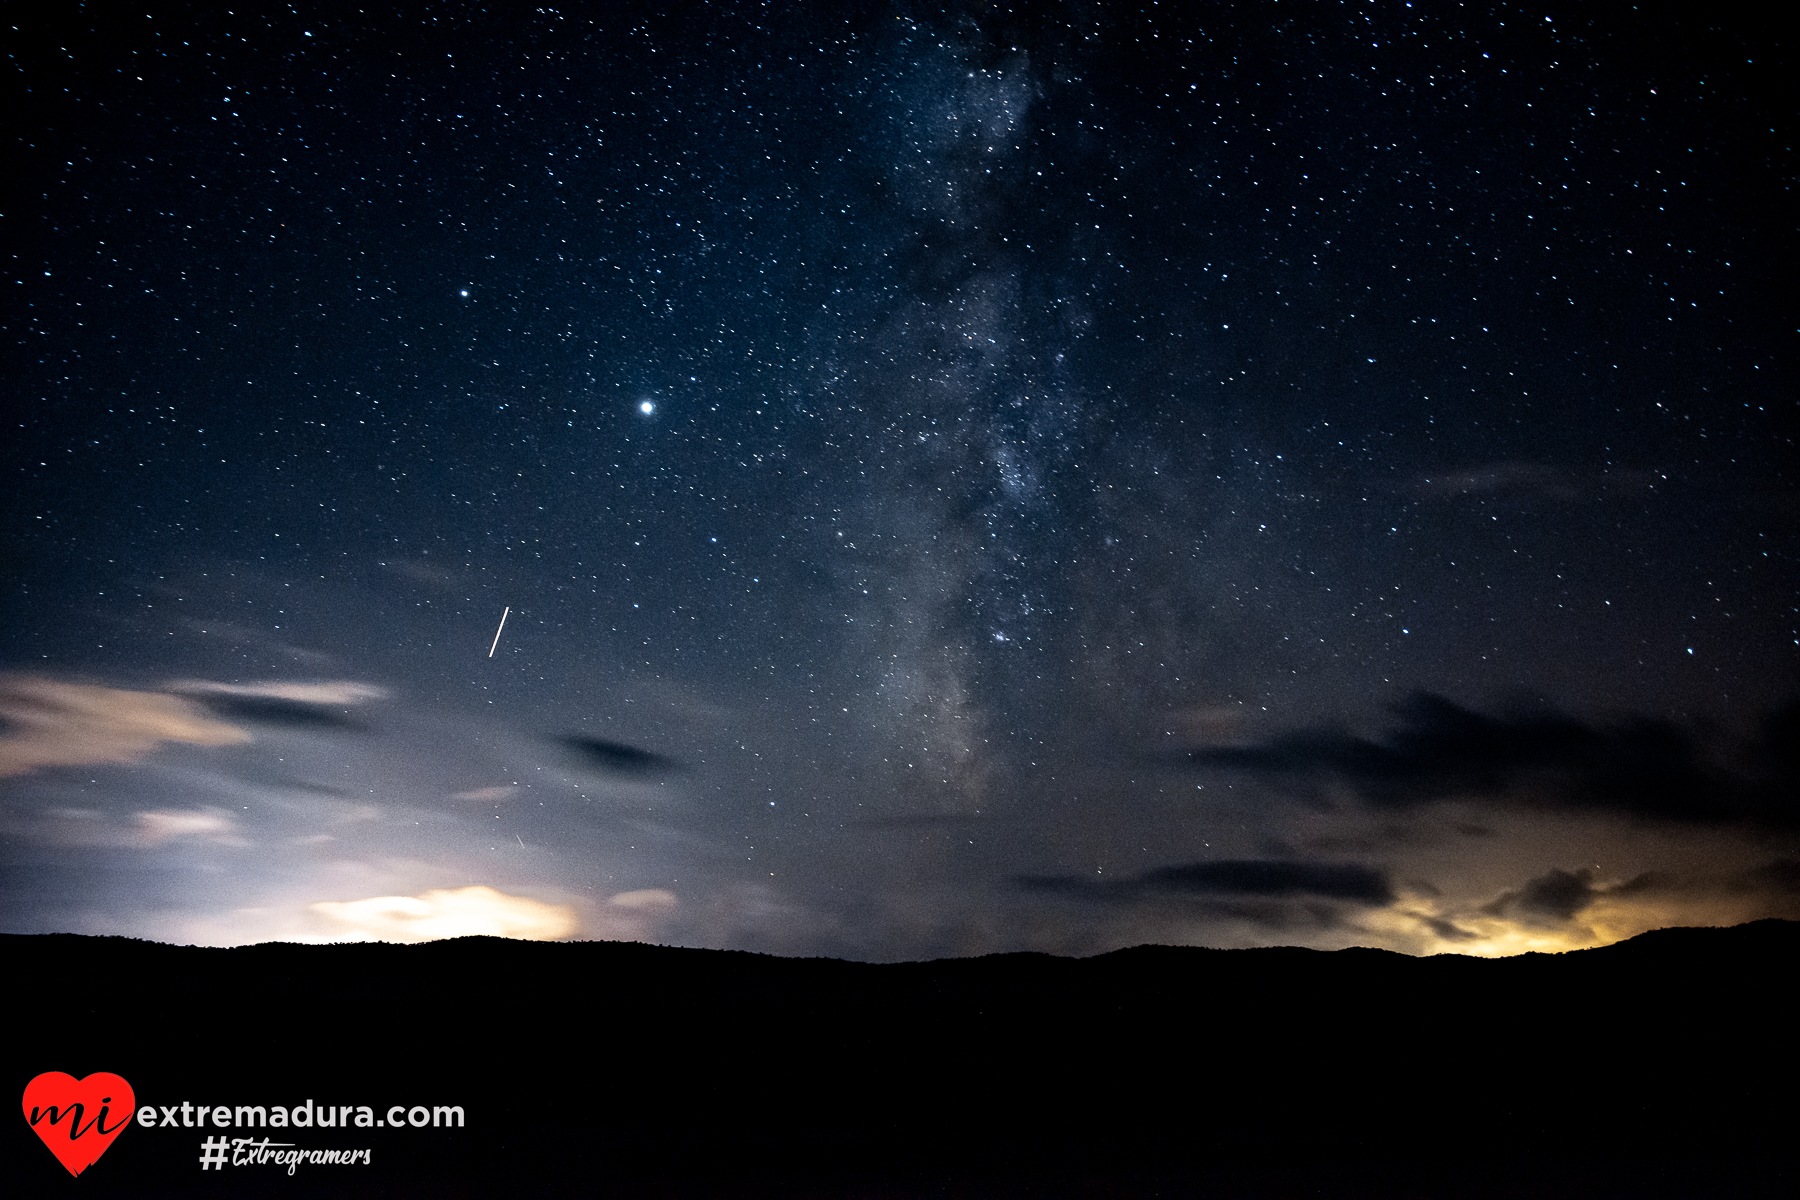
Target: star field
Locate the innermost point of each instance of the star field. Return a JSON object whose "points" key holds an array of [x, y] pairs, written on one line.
{"points": [[932, 463]]}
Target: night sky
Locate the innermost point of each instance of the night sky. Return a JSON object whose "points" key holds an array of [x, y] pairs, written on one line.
{"points": [[1039, 477]]}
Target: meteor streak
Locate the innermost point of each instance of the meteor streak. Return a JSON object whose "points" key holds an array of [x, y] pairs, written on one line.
{"points": [[497, 631]]}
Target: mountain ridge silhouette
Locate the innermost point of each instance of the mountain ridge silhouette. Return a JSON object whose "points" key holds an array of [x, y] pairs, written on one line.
{"points": [[1648, 1067]]}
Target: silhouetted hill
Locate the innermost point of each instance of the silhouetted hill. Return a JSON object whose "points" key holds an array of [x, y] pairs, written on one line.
{"points": [[1659, 1066]]}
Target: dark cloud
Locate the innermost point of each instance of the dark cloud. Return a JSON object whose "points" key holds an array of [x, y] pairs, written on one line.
{"points": [[1648, 883], [616, 758], [1644, 767], [1556, 895], [1447, 930], [1260, 878], [291, 714]]}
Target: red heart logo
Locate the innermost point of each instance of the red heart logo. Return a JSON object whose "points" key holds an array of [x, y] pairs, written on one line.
{"points": [[78, 1118]]}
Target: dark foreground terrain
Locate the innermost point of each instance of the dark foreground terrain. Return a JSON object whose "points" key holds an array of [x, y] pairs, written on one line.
{"points": [[1661, 1066]]}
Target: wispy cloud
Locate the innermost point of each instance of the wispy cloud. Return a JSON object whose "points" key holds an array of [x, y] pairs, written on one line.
{"points": [[51, 723], [333, 691], [634, 916], [1240, 877], [322, 706], [1531, 481], [211, 825], [495, 794]]}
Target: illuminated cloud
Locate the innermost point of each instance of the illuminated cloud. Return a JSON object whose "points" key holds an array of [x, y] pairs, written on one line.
{"points": [[337, 691], [154, 828], [496, 793], [448, 913], [320, 707], [50, 723], [1412, 931], [1573, 910], [633, 916], [645, 900]]}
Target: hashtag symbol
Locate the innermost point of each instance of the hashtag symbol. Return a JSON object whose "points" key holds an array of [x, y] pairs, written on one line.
{"points": [[212, 1154]]}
